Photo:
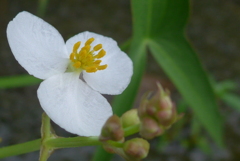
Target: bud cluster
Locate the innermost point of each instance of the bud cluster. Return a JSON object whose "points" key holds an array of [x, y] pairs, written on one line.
{"points": [[157, 113], [112, 137], [151, 119]]}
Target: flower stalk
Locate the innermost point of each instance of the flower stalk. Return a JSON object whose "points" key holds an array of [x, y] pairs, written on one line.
{"points": [[18, 149], [47, 134], [60, 142]]}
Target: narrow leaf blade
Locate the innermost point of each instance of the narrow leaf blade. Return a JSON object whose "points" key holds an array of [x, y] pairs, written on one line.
{"points": [[183, 67], [18, 81]]}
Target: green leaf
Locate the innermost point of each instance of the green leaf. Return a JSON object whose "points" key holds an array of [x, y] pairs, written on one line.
{"points": [[223, 87], [125, 101], [168, 45], [18, 81], [42, 6], [232, 100], [200, 140], [182, 66], [203, 144]]}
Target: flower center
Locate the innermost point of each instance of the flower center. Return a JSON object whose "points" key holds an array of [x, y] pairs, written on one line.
{"points": [[88, 59]]}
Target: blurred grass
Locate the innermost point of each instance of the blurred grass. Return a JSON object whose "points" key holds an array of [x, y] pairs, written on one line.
{"points": [[18, 81], [42, 6]]}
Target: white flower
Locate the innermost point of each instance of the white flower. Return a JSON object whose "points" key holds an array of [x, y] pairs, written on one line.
{"points": [[74, 73]]}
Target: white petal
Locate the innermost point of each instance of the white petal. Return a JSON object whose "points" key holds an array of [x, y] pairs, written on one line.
{"points": [[37, 45], [73, 105], [116, 77]]}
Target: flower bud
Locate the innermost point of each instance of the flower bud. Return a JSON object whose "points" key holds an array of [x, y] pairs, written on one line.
{"points": [[112, 130], [130, 118], [156, 113], [136, 148], [165, 101], [164, 114], [167, 117], [109, 149], [149, 128]]}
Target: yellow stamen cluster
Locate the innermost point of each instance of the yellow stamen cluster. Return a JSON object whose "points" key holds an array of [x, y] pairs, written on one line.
{"points": [[86, 59]]}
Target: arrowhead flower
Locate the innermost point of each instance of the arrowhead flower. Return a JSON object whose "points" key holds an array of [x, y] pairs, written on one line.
{"points": [[74, 73]]}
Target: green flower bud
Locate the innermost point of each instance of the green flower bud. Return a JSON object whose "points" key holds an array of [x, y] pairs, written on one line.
{"points": [[136, 148], [149, 128], [112, 130], [130, 118]]}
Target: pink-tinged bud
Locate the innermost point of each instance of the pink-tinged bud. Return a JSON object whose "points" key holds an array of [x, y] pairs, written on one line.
{"points": [[130, 118], [164, 114], [109, 148], [156, 113], [149, 128], [143, 106], [165, 103], [151, 110], [136, 149], [160, 101], [167, 120], [112, 130]]}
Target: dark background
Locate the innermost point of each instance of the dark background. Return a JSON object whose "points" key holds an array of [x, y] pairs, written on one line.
{"points": [[213, 30]]}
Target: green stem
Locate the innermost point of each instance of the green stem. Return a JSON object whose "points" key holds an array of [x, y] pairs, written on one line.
{"points": [[73, 142], [58, 143], [55, 143], [115, 144], [20, 148], [131, 130], [47, 133], [45, 153]]}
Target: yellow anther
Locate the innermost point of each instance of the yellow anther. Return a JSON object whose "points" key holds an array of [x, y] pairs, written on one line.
{"points": [[77, 64], [100, 54], [76, 46], [89, 41], [86, 47], [102, 67], [89, 57], [97, 62], [91, 69], [82, 54], [72, 56], [86, 59], [97, 47]]}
